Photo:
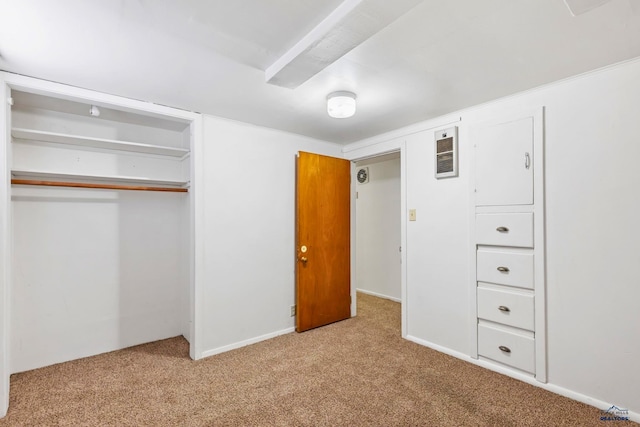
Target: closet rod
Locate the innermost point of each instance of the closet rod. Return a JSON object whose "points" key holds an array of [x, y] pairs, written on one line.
{"points": [[98, 186]]}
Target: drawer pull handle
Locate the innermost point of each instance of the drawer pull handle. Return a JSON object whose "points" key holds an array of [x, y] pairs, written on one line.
{"points": [[502, 230], [503, 308], [503, 269], [505, 349]]}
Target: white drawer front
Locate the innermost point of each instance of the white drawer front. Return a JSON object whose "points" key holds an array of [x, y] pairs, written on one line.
{"points": [[507, 347], [505, 307], [505, 268], [509, 229]]}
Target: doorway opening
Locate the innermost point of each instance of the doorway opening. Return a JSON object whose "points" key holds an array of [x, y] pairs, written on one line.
{"points": [[378, 254]]}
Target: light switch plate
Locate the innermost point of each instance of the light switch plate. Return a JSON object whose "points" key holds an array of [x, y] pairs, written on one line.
{"points": [[412, 214]]}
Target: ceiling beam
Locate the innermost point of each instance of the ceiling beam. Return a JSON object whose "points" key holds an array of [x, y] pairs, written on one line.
{"points": [[350, 24], [578, 7]]}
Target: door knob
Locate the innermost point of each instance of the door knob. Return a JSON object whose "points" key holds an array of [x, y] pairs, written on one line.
{"points": [[303, 259]]}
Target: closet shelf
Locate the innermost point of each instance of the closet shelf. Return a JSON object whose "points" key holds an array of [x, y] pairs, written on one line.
{"points": [[98, 181], [110, 144], [96, 186]]}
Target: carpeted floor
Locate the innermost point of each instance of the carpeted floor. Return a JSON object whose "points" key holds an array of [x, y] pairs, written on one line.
{"points": [[358, 372]]}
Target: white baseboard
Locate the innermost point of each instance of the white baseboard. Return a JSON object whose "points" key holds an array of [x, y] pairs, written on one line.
{"points": [[633, 416], [375, 294], [245, 343], [4, 405]]}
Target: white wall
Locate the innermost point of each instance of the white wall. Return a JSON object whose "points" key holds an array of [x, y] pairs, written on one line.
{"points": [[94, 271], [592, 231], [592, 198], [437, 262], [249, 181], [378, 229]]}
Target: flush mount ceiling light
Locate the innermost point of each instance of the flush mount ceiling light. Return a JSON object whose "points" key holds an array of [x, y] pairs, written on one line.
{"points": [[341, 105]]}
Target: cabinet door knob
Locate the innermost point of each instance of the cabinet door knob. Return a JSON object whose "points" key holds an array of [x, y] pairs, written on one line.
{"points": [[505, 349], [502, 230], [504, 308], [503, 269]]}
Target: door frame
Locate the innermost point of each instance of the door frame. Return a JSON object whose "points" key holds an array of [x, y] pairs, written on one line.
{"points": [[369, 152], [5, 243], [352, 237]]}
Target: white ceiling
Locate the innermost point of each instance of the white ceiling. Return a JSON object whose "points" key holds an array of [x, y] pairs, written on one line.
{"points": [[211, 55]]}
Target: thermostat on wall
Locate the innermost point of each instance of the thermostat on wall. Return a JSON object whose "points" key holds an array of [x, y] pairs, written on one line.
{"points": [[446, 152]]}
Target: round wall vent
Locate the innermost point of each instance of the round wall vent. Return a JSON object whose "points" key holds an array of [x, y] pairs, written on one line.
{"points": [[363, 175]]}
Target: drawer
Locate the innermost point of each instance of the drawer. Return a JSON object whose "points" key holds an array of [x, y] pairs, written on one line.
{"points": [[507, 347], [508, 229], [509, 308], [505, 268]]}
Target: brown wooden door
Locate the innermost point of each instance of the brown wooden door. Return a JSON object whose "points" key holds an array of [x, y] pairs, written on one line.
{"points": [[323, 273]]}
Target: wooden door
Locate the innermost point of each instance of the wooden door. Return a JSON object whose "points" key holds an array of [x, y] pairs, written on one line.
{"points": [[323, 264], [504, 163]]}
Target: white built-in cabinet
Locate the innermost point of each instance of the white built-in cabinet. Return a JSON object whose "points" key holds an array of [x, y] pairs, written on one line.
{"points": [[100, 242], [508, 285], [504, 169]]}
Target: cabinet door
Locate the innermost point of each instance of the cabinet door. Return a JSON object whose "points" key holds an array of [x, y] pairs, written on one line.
{"points": [[504, 163]]}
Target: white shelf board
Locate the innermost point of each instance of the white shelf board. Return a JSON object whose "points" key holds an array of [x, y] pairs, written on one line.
{"points": [[42, 175], [110, 144]]}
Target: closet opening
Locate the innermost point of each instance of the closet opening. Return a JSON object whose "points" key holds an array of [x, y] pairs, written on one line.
{"points": [[95, 266]]}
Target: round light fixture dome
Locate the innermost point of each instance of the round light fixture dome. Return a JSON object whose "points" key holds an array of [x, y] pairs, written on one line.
{"points": [[341, 105]]}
